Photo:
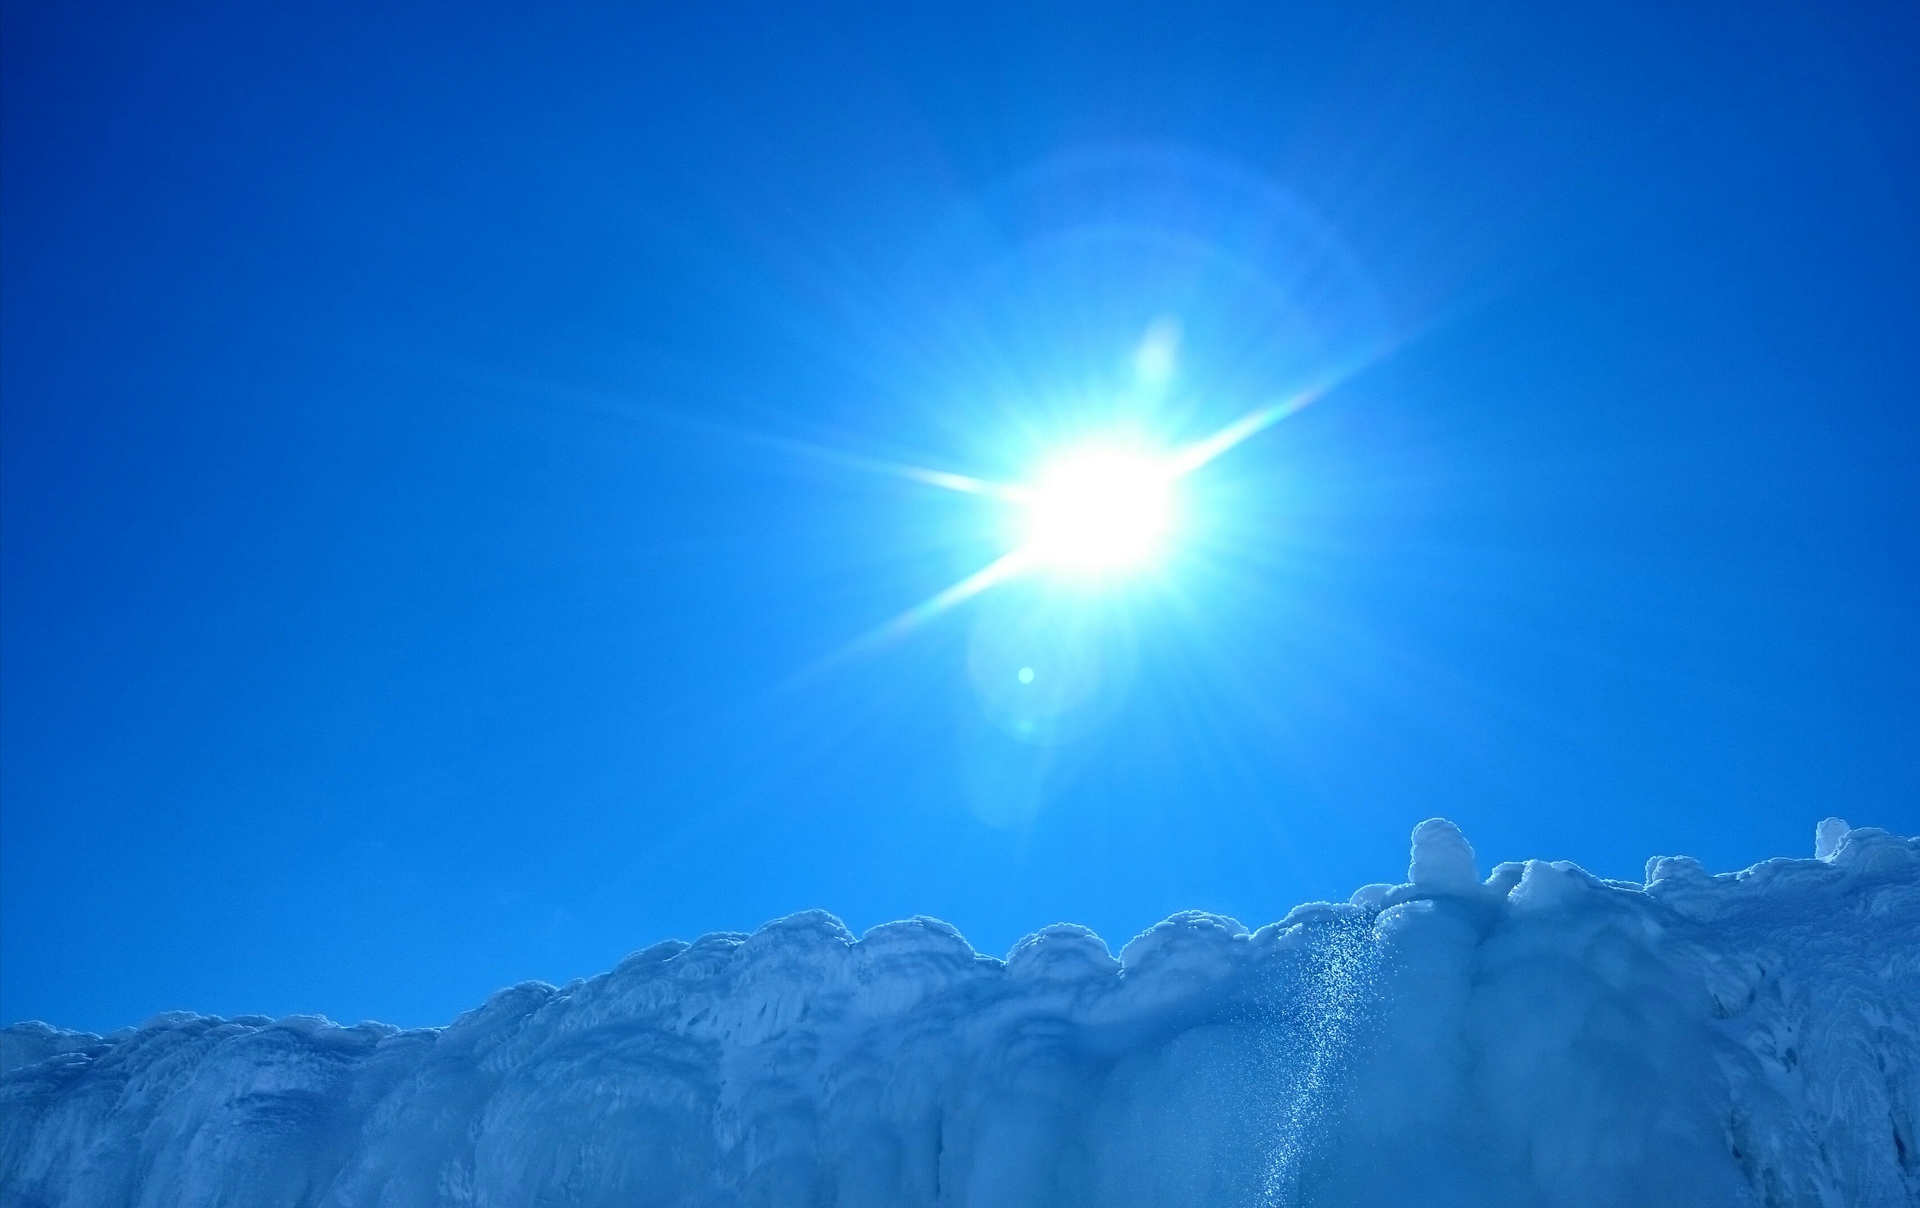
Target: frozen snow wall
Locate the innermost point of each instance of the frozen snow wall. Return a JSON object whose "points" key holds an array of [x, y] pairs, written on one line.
{"points": [[1542, 1037]]}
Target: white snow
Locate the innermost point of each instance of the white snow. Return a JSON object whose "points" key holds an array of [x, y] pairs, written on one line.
{"points": [[1543, 1037], [1828, 836], [1442, 859]]}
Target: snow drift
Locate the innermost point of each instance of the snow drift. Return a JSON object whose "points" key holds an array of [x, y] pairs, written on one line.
{"points": [[1542, 1037]]}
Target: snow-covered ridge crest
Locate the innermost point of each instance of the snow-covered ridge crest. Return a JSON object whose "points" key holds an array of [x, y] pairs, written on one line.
{"points": [[1540, 1037]]}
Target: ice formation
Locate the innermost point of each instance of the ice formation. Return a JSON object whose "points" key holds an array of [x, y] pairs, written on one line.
{"points": [[1543, 1037]]}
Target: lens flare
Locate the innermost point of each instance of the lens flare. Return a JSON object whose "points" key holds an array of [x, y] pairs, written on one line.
{"points": [[1100, 509]]}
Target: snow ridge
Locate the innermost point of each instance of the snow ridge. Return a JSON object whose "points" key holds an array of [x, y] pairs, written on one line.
{"points": [[1542, 1037]]}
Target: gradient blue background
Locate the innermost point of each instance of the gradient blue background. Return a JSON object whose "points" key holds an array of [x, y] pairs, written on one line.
{"points": [[393, 611]]}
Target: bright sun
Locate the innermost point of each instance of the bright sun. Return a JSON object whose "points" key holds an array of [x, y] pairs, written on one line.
{"points": [[1099, 509]]}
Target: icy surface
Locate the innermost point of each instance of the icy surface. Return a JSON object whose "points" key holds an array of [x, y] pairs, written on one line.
{"points": [[1542, 1038]]}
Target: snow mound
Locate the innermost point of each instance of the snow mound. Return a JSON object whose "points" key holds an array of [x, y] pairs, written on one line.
{"points": [[1543, 1037]]}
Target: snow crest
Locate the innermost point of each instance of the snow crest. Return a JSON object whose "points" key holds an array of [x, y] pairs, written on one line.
{"points": [[1542, 1037]]}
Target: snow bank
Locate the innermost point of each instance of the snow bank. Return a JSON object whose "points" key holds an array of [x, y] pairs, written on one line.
{"points": [[1543, 1037]]}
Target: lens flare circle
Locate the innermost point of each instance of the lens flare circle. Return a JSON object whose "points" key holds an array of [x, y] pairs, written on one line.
{"points": [[1100, 509]]}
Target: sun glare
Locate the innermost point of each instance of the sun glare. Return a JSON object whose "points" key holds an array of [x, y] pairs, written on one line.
{"points": [[1100, 509]]}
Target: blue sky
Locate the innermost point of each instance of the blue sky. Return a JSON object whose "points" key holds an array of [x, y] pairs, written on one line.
{"points": [[437, 467]]}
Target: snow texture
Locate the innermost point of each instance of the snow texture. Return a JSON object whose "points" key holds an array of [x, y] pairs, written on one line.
{"points": [[1543, 1037]]}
